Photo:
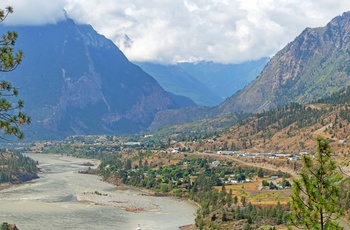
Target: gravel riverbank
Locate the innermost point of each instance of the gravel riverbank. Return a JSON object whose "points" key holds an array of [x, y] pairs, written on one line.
{"points": [[117, 202]]}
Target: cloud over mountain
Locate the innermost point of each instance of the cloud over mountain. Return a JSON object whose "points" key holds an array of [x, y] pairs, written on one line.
{"points": [[170, 31]]}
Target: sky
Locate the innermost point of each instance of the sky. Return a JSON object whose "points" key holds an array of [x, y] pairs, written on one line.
{"points": [[170, 31]]}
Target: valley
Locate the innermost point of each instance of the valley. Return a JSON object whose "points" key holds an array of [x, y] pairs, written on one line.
{"points": [[257, 181], [254, 161], [53, 201], [261, 144], [248, 168]]}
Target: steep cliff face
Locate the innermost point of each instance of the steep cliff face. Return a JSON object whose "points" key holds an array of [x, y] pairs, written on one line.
{"points": [[314, 65], [75, 81]]}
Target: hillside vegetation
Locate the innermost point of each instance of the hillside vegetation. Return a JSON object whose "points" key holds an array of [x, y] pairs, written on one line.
{"points": [[16, 168], [293, 128]]}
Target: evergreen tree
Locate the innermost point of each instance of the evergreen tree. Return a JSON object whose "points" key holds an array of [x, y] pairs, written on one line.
{"points": [[243, 201], [247, 227], [238, 213], [229, 198], [10, 116], [260, 173], [315, 198], [235, 200], [223, 194], [224, 216]]}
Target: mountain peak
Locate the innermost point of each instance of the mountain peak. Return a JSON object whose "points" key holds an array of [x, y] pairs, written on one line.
{"points": [[314, 65], [65, 13], [75, 81]]}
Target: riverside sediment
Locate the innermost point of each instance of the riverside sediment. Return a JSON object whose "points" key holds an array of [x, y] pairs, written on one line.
{"points": [[53, 198], [147, 192], [116, 202]]}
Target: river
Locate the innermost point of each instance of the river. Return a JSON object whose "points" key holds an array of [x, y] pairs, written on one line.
{"points": [[50, 202]]}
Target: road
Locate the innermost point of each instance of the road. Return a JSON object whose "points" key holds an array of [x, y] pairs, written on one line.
{"points": [[271, 167]]}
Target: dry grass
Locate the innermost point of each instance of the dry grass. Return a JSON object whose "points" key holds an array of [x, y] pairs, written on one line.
{"points": [[270, 197], [290, 139], [245, 186], [258, 196]]}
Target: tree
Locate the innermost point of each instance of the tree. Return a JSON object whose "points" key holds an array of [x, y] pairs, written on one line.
{"points": [[127, 164], [223, 194], [224, 215], [247, 227], [285, 183], [235, 200], [243, 201], [315, 198], [10, 115], [265, 183], [260, 173], [229, 198]]}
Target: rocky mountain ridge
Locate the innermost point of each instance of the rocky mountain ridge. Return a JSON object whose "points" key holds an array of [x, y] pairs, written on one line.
{"points": [[74, 81], [312, 66]]}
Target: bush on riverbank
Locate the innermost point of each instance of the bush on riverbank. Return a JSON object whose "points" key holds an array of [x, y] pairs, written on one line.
{"points": [[6, 226]]}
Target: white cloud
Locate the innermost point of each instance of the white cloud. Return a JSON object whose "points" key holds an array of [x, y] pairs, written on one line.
{"points": [[229, 31], [190, 6], [34, 12]]}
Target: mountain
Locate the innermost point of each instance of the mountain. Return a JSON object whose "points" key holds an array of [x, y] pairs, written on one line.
{"points": [[177, 81], [182, 101], [224, 79], [206, 83], [312, 66], [288, 129], [293, 128], [74, 81]]}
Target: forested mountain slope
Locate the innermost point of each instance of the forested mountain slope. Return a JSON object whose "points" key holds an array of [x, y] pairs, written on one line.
{"points": [[294, 127]]}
